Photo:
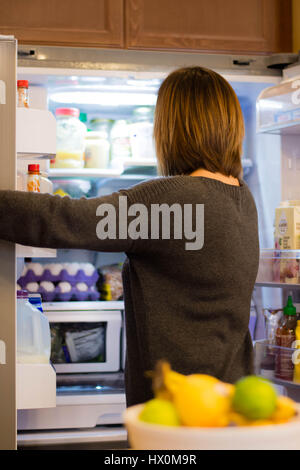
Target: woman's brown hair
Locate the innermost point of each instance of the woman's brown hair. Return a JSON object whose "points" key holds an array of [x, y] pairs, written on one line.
{"points": [[198, 124]]}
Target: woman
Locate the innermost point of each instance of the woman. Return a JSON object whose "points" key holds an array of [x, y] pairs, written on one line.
{"points": [[186, 300]]}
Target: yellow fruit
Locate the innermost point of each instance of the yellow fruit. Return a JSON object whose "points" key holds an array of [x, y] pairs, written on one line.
{"points": [[173, 381], [239, 420], [202, 400], [285, 410], [158, 411]]}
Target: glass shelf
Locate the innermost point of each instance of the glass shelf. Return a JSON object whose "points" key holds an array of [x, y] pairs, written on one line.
{"points": [[279, 268], [83, 173]]}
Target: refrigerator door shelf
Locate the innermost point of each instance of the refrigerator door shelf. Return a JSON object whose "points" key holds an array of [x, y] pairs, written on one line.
{"points": [[32, 252], [36, 133], [278, 109], [36, 386], [279, 268]]}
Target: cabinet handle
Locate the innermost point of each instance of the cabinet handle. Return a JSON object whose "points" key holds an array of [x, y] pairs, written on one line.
{"points": [[242, 63], [26, 53]]}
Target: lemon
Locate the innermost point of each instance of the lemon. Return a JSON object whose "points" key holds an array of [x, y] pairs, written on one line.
{"points": [[285, 410], [159, 411], [255, 398], [203, 401]]}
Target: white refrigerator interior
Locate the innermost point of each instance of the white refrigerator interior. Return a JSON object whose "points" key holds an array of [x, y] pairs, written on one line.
{"points": [[109, 92]]}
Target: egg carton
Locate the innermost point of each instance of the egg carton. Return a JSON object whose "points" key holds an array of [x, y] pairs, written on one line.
{"points": [[73, 295], [63, 276]]}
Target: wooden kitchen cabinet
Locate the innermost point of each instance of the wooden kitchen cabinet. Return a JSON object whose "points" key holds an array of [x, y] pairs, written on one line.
{"points": [[64, 22], [250, 26]]}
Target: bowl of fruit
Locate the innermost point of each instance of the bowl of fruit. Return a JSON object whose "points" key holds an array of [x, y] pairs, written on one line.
{"points": [[199, 412]]}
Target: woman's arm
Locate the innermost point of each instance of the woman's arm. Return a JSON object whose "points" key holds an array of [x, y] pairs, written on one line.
{"points": [[48, 221]]}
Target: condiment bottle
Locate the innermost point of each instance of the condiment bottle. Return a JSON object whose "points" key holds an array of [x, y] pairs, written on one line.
{"points": [[285, 336], [296, 355], [34, 179], [23, 100], [272, 320]]}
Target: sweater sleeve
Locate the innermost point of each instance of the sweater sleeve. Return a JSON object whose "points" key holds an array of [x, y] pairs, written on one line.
{"points": [[47, 221]]}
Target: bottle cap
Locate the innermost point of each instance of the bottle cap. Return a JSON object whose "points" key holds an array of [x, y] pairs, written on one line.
{"points": [[34, 168], [289, 309], [83, 117], [22, 83], [22, 294], [67, 112]]}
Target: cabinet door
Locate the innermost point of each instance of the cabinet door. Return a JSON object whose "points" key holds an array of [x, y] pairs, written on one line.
{"points": [[251, 26], [64, 22]]}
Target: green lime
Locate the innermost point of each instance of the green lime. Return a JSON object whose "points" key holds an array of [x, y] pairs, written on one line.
{"points": [[158, 411], [254, 397]]}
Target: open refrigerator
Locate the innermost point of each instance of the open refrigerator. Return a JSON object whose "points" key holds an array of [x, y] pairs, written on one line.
{"points": [[85, 404]]}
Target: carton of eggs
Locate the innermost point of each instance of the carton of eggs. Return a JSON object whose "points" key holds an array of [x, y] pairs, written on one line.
{"points": [[60, 281], [73, 273]]}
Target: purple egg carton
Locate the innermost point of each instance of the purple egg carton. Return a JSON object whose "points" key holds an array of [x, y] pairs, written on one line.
{"points": [[63, 276], [74, 294]]}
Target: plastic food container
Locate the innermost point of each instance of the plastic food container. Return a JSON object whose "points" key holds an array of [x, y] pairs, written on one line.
{"points": [[144, 436], [141, 135], [33, 333], [70, 139], [120, 143], [96, 149]]}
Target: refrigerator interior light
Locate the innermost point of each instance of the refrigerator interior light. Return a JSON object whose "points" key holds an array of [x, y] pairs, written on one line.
{"points": [[104, 99]]}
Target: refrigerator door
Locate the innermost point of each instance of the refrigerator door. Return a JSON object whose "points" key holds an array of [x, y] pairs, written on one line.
{"points": [[8, 56]]}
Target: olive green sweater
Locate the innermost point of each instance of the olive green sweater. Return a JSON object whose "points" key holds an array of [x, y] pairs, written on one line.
{"points": [[190, 307]]}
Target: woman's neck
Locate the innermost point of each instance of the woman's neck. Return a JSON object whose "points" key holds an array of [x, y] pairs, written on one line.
{"points": [[216, 176]]}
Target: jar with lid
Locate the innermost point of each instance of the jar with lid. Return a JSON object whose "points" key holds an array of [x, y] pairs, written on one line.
{"points": [[23, 99], [141, 134], [97, 147], [120, 143], [70, 139]]}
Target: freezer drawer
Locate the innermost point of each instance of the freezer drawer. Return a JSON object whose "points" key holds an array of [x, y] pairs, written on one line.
{"points": [[84, 439], [75, 412]]}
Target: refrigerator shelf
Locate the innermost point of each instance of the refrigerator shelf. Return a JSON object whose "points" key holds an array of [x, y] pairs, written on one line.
{"points": [[272, 253], [291, 128], [89, 173], [32, 252], [36, 386], [36, 133], [277, 285]]}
